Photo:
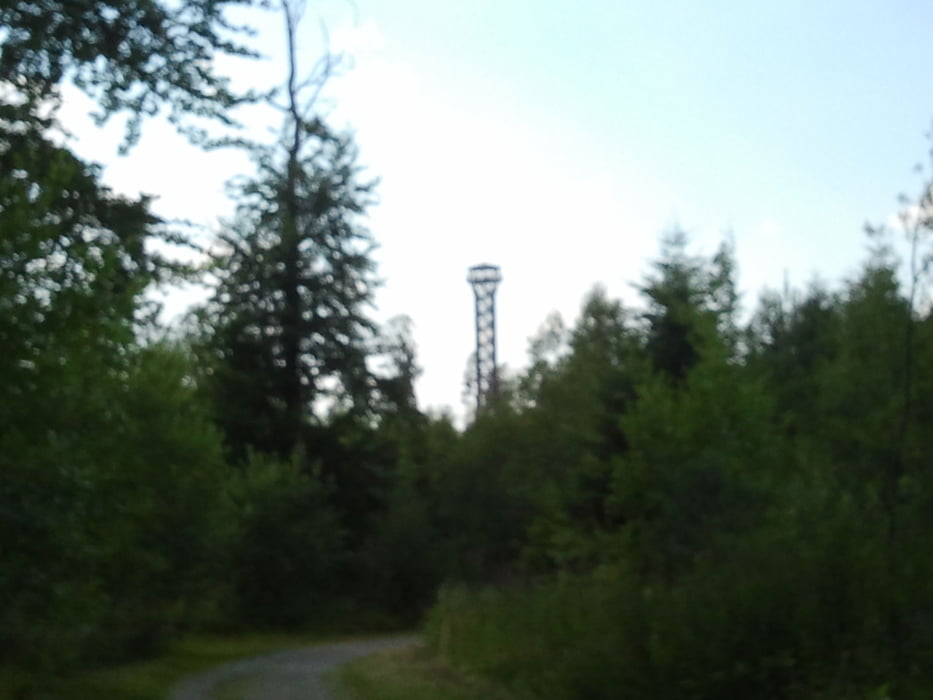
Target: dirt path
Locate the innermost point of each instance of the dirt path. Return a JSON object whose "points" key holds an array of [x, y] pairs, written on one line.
{"points": [[295, 674]]}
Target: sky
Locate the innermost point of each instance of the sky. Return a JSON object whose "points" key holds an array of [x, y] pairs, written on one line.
{"points": [[560, 140]]}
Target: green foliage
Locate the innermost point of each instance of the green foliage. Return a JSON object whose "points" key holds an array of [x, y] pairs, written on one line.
{"points": [[72, 258], [109, 465], [797, 610], [286, 327], [790, 342], [670, 505], [482, 498], [120, 523], [702, 460], [285, 334], [109, 507], [395, 377], [139, 56], [690, 302], [89, 480], [570, 431], [410, 674], [289, 543], [162, 480], [724, 512], [402, 559], [111, 513]]}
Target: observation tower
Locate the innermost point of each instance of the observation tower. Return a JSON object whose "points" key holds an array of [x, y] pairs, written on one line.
{"points": [[484, 279]]}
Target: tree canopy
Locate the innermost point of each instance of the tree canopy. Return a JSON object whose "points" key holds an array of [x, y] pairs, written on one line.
{"points": [[139, 57]]}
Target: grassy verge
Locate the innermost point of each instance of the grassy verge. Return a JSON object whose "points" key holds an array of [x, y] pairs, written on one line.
{"points": [[409, 674], [152, 679]]}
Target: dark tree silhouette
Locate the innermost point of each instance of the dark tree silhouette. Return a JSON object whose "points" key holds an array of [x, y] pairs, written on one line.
{"points": [[295, 278]]}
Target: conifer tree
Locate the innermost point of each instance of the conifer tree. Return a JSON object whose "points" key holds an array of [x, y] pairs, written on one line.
{"points": [[288, 322]]}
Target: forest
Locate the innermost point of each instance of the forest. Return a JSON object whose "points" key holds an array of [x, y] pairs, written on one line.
{"points": [[673, 500]]}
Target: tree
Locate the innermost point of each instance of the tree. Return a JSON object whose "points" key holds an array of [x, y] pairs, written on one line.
{"points": [[102, 444], [690, 301], [576, 402], [289, 543], [916, 220], [134, 56], [106, 512], [790, 341], [395, 382], [287, 322], [72, 254]]}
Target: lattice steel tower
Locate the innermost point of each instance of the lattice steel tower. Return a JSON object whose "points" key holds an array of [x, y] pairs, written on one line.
{"points": [[484, 279]]}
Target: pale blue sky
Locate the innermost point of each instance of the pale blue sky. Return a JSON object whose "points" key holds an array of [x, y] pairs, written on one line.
{"points": [[559, 140]]}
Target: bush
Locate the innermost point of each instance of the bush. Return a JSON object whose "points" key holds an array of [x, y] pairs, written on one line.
{"points": [[288, 546]]}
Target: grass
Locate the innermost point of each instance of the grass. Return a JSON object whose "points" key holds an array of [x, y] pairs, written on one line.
{"points": [[233, 689], [409, 674], [152, 679]]}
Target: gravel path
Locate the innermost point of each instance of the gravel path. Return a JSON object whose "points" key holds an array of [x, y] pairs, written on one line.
{"points": [[295, 674]]}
